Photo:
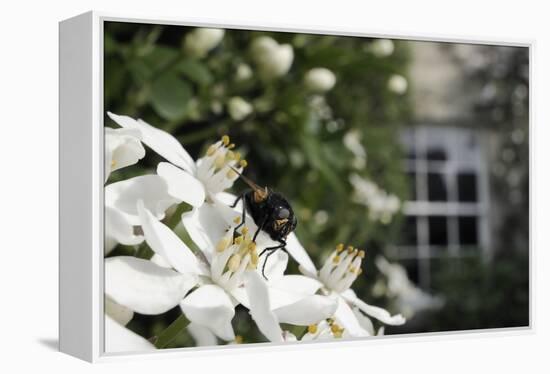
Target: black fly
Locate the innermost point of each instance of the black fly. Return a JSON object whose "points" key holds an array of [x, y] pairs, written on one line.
{"points": [[270, 211]]}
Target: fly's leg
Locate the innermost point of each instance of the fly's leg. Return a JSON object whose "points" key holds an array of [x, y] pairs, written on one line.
{"points": [[258, 230], [243, 216], [270, 251]]}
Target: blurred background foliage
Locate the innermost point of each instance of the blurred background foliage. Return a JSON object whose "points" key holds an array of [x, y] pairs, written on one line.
{"points": [[294, 141]]}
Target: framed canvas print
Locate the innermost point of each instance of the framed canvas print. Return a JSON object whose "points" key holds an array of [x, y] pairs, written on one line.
{"points": [[226, 186]]}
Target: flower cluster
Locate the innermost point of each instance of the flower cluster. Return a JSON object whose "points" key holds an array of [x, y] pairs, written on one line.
{"points": [[219, 266], [382, 205]]}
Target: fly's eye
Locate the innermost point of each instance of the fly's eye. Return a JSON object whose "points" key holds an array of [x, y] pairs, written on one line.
{"points": [[283, 213]]}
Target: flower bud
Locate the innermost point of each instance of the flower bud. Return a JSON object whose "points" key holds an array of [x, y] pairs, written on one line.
{"points": [[238, 108], [200, 41], [320, 80], [273, 59], [398, 84]]}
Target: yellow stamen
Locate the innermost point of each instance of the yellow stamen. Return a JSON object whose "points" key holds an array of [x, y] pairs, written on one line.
{"points": [[351, 269], [238, 240], [335, 328], [251, 266], [219, 162], [231, 146], [338, 334], [225, 140], [251, 246], [237, 220], [222, 244], [243, 163], [234, 262], [242, 250], [231, 174], [361, 254], [359, 271], [336, 259], [211, 150], [350, 249], [312, 329], [254, 258], [339, 247], [244, 231], [237, 156], [238, 339]]}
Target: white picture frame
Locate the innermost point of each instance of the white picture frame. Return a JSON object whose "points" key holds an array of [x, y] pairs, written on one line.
{"points": [[81, 185]]}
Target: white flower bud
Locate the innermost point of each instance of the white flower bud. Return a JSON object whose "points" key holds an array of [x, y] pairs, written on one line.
{"points": [[382, 47], [398, 84], [200, 41], [320, 79], [244, 72], [239, 108], [273, 59]]}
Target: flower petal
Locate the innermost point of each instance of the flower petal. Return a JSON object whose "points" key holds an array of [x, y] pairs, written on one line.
{"points": [[152, 189], [260, 308], [118, 312], [160, 261], [380, 314], [299, 254], [181, 184], [205, 227], [363, 320], [348, 320], [275, 265], [122, 148], [307, 311], [143, 286], [211, 307], [118, 229], [290, 289], [159, 141], [202, 335], [167, 244], [228, 199], [119, 339]]}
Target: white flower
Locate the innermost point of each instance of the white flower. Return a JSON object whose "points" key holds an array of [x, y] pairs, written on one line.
{"points": [[200, 41], [121, 215], [352, 141], [188, 180], [382, 206], [398, 84], [218, 272], [337, 275], [320, 80], [382, 47], [273, 59], [238, 108], [310, 309], [122, 148], [409, 298]]}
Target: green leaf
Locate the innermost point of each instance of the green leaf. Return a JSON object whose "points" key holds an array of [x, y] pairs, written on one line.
{"points": [[160, 58], [195, 71], [171, 332], [170, 95]]}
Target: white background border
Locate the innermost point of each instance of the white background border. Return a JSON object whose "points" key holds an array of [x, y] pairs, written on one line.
{"points": [[29, 188]]}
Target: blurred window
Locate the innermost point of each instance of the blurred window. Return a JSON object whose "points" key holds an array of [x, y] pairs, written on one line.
{"points": [[447, 210]]}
